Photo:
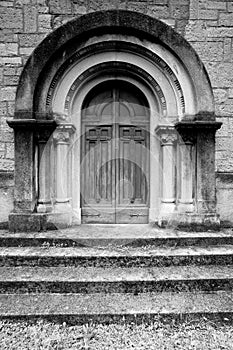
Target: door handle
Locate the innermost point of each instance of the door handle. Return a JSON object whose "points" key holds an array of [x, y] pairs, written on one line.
{"points": [[137, 215], [91, 215]]}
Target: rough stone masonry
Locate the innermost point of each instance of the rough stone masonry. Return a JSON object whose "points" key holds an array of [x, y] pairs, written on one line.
{"points": [[206, 24]]}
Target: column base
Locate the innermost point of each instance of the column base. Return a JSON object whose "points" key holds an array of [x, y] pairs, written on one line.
{"points": [[36, 222], [44, 208], [190, 221]]}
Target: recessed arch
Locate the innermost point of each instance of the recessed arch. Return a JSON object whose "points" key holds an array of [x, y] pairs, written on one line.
{"points": [[98, 23], [115, 46]]}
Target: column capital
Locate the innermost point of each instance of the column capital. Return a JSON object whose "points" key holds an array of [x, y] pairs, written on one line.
{"points": [[63, 132], [166, 133]]}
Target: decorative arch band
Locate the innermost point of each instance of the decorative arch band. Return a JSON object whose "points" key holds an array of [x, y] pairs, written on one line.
{"points": [[122, 68], [115, 45]]}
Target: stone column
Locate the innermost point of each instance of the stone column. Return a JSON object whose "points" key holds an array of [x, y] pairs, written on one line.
{"points": [[204, 214], [186, 173], [24, 216], [168, 138], [62, 138], [45, 173], [206, 185]]}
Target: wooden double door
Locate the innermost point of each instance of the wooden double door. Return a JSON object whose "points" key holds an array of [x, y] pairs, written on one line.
{"points": [[115, 156]]}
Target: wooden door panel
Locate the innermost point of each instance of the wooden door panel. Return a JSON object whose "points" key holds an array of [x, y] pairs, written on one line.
{"points": [[115, 158], [98, 214], [133, 173], [97, 187], [132, 215]]}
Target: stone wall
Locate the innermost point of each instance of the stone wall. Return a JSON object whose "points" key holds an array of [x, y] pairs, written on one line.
{"points": [[206, 24]]}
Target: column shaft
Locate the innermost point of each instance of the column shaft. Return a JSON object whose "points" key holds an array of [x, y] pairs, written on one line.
{"points": [[186, 198]]}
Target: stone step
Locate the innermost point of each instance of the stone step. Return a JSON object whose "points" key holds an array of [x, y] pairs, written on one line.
{"points": [[89, 307], [116, 256], [109, 280], [116, 235]]}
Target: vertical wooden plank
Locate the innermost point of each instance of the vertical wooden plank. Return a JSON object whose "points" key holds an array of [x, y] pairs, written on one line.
{"points": [[92, 170], [109, 168], [104, 155]]}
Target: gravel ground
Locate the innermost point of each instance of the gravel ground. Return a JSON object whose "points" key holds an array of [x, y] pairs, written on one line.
{"points": [[40, 334]]}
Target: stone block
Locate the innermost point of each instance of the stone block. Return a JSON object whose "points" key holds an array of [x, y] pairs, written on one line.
{"points": [[219, 32], [8, 136], [196, 31], [11, 108], [30, 40], [81, 10], [208, 14], [9, 49], [230, 93], [26, 51], [224, 187], [10, 150], [60, 7], [216, 5], [27, 222], [221, 74], [226, 19], [11, 18], [12, 61], [228, 51], [209, 51], [6, 3], [222, 144], [225, 109], [21, 3], [30, 19], [220, 95], [44, 23], [179, 11], [11, 80], [12, 71], [230, 6], [7, 93], [3, 108], [6, 165], [223, 131], [6, 201], [5, 36], [193, 9], [158, 11]]}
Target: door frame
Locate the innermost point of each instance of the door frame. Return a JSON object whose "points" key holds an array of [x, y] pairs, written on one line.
{"points": [[115, 209], [154, 171]]}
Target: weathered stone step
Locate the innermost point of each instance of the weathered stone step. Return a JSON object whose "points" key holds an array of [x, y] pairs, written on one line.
{"points": [[118, 235], [91, 306], [121, 257], [121, 280]]}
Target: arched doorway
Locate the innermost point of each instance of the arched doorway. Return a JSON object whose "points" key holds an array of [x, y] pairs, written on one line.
{"points": [[122, 59], [115, 154]]}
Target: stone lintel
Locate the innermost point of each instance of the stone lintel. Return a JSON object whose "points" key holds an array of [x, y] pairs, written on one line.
{"points": [[197, 126], [32, 124]]}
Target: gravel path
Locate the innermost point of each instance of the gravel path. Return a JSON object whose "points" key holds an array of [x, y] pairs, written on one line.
{"points": [[155, 336]]}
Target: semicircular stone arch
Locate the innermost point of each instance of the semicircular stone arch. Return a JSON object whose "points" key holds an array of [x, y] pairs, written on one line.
{"points": [[119, 48]]}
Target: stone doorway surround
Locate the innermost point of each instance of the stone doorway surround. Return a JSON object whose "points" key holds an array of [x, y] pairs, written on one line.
{"points": [[76, 57]]}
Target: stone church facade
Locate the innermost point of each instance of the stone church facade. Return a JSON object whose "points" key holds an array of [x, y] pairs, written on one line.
{"points": [[116, 112]]}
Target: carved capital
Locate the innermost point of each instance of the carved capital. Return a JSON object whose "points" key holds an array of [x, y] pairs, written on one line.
{"points": [[167, 134], [63, 133]]}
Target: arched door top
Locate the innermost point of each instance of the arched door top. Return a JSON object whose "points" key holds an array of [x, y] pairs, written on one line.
{"points": [[100, 23]]}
